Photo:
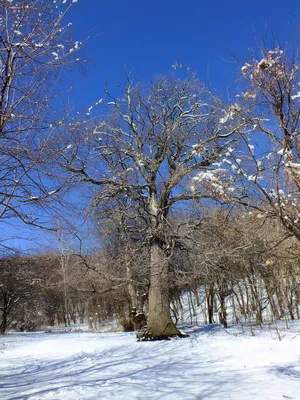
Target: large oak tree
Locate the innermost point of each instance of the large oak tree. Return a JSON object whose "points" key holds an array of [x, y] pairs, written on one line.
{"points": [[158, 148]]}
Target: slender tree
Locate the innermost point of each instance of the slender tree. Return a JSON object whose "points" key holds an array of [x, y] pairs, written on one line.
{"points": [[35, 49], [266, 164]]}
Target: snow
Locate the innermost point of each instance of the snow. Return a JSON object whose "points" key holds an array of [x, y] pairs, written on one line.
{"points": [[249, 95], [213, 363], [293, 165], [296, 96]]}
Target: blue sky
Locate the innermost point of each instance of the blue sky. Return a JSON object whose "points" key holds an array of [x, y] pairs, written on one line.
{"points": [[146, 37]]}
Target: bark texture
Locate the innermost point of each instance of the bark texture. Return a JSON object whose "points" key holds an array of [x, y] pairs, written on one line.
{"points": [[160, 324]]}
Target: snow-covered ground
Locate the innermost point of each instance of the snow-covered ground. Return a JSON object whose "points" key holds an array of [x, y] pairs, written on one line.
{"points": [[212, 363]]}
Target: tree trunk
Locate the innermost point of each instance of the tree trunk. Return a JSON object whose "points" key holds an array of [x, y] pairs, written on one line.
{"points": [[160, 324], [223, 311], [210, 304], [3, 325], [196, 293], [5, 311]]}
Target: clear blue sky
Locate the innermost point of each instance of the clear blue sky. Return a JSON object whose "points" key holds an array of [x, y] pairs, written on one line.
{"points": [[145, 37]]}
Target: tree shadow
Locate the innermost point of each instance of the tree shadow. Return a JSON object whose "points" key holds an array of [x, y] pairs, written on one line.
{"points": [[211, 328], [148, 370], [292, 371]]}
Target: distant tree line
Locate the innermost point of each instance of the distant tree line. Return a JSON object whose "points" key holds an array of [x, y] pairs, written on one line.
{"points": [[232, 268]]}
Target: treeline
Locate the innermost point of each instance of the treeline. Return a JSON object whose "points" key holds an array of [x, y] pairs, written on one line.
{"points": [[152, 162], [227, 267]]}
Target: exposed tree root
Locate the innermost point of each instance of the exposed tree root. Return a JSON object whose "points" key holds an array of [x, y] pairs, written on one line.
{"points": [[147, 336]]}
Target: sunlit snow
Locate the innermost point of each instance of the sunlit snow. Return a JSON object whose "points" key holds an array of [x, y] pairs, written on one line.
{"points": [[213, 363]]}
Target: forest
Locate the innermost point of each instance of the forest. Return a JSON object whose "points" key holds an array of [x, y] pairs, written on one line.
{"points": [[149, 208], [158, 193]]}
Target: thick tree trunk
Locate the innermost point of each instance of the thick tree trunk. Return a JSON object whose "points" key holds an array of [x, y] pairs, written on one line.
{"points": [[160, 324]]}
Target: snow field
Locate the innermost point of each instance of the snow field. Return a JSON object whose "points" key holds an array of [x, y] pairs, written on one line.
{"points": [[212, 363]]}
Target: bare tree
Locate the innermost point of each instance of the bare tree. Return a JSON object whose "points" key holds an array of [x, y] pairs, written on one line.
{"points": [[35, 48], [149, 150], [20, 283], [121, 231], [266, 164]]}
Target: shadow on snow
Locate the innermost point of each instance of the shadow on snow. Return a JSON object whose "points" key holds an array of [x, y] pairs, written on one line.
{"points": [[149, 370]]}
